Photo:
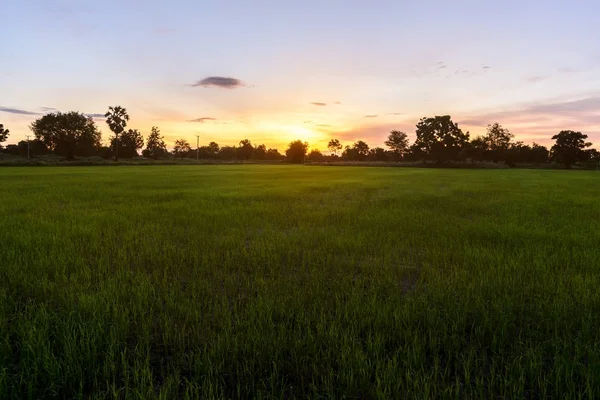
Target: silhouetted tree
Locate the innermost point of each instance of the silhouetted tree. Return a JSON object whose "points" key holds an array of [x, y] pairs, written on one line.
{"points": [[296, 151], [334, 146], [274, 154], [116, 119], [398, 143], [379, 154], [349, 154], [36, 148], [592, 155], [3, 134], [245, 150], [518, 152], [155, 146], [361, 150], [569, 147], [477, 149], [538, 154], [439, 138], [497, 139], [181, 148], [315, 156], [11, 149], [260, 152], [128, 144], [106, 152], [68, 134], [227, 153], [213, 149]]}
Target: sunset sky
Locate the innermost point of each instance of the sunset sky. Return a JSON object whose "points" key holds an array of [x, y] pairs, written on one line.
{"points": [[310, 70]]}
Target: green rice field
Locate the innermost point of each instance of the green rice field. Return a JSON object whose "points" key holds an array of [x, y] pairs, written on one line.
{"points": [[283, 282]]}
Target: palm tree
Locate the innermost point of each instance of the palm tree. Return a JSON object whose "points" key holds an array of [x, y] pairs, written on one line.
{"points": [[116, 118]]}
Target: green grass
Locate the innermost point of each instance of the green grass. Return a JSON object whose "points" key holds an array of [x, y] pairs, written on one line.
{"points": [[294, 282]]}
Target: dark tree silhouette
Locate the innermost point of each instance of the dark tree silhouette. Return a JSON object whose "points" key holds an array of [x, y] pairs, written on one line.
{"points": [[213, 149], [296, 151], [498, 141], [260, 152], [3, 134], [36, 148], [245, 150], [68, 134], [569, 147], [498, 137], [349, 153], [592, 155], [361, 150], [274, 155], [334, 146], [477, 149], [380, 154], [116, 119], [155, 145], [227, 153], [538, 154], [128, 144], [398, 143], [439, 138], [181, 148], [315, 155]]}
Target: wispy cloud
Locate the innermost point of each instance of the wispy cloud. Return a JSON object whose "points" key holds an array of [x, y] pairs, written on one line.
{"points": [[17, 111], [371, 116], [95, 115], [220, 82], [546, 118], [337, 102], [203, 120], [318, 103], [396, 113], [48, 109]]}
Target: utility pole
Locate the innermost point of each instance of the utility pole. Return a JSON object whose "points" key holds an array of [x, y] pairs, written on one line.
{"points": [[28, 147], [197, 147]]}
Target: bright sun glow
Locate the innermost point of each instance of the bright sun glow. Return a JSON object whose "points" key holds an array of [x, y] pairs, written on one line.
{"points": [[302, 133]]}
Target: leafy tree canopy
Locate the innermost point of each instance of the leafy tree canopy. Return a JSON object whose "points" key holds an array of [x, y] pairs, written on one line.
{"points": [[439, 138], [296, 151], [68, 134], [155, 145], [397, 142], [569, 147]]}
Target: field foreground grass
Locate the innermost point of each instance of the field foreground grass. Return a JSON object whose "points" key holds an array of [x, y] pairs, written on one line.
{"points": [[295, 282]]}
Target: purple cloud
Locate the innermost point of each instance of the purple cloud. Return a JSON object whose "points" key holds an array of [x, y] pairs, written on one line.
{"points": [[203, 119], [17, 111], [220, 82]]}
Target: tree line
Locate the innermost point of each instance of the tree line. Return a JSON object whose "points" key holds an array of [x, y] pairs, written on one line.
{"points": [[438, 140]]}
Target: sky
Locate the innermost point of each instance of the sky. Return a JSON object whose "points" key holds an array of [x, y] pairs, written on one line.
{"points": [[276, 71]]}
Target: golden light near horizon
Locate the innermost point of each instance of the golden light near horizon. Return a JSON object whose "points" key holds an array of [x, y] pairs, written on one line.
{"points": [[303, 133]]}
